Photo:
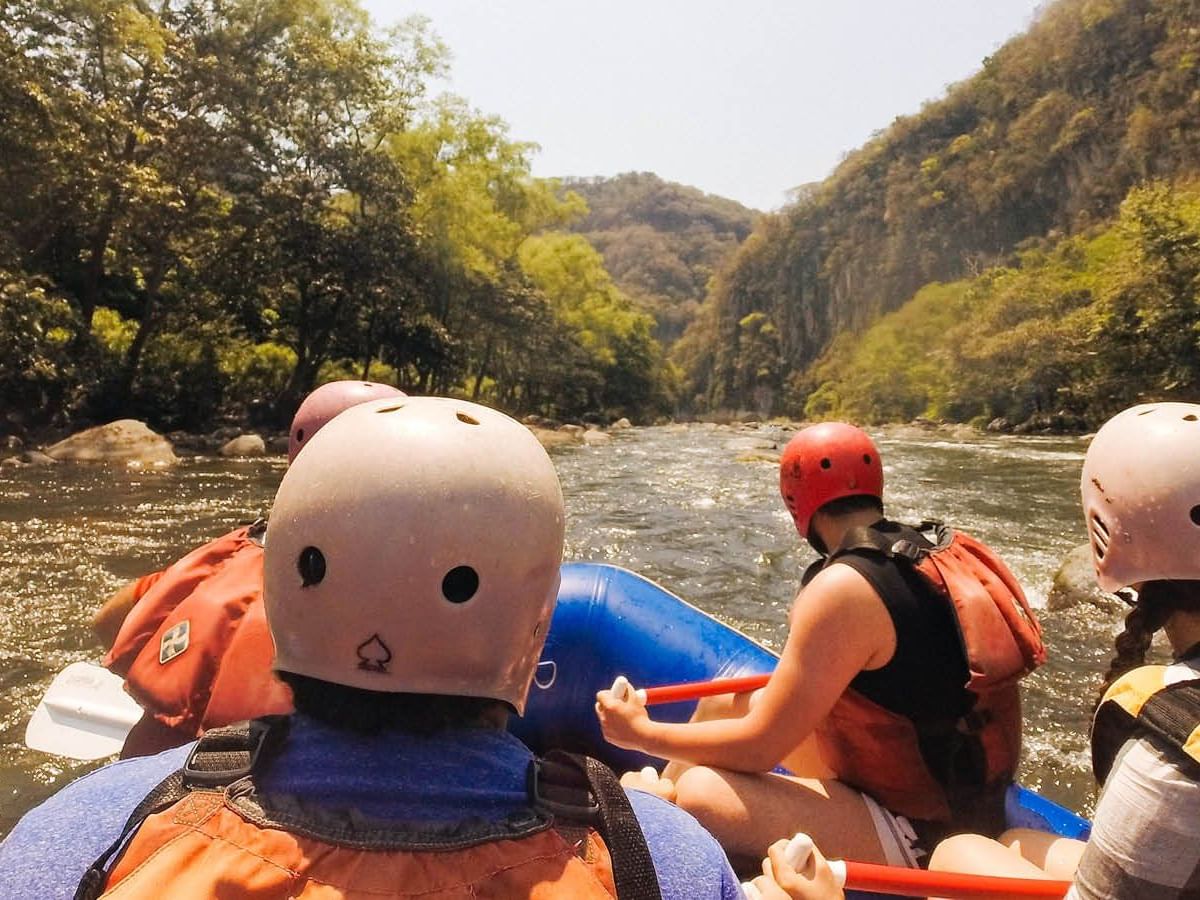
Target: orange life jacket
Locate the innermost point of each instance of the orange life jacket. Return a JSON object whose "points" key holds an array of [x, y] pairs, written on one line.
{"points": [[205, 833], [879, 752], [195, 650]]}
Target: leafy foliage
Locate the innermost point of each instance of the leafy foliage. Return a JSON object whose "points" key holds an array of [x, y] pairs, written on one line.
{"points": [[1046, 140], [208, 207], [1072, 333], [661, 241]]}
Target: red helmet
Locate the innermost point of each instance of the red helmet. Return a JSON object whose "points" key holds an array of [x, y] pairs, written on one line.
{"points": [[827, 462], [326, 402]]}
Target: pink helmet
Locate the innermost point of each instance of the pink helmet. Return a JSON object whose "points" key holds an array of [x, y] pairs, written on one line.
{"points": [[326, 402], [827, 462], [414, 547], [1141, 495]]}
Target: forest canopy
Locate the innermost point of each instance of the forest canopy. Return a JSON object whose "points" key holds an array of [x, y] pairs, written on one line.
{"points": [[662, 242], [210, 207]]}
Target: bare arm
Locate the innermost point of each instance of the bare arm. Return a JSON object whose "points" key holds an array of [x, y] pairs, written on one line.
{"points": [[838, 628], [106, 623], [108, 619]]}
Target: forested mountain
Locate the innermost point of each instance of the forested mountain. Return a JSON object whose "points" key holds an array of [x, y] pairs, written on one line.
{"points": [[661, 241], [1045, 141]]}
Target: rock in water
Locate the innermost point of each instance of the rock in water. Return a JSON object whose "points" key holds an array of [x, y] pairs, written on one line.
{"points": [[1075, 583], [245, 445], [124, 441]]}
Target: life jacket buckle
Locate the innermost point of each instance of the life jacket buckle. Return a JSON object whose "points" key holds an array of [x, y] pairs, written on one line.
{"points": [[907, 549], [225, 755], [571, 801]]}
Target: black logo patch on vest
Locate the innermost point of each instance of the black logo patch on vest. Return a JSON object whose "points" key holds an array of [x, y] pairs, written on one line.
{"points": [[374, 655], [174, 641]]}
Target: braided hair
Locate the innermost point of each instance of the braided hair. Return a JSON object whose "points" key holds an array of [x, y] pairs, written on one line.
{"points": [[1156, 601]]}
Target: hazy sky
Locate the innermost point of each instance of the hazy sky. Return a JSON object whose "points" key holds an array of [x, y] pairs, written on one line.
{"points": [[743, 98]]}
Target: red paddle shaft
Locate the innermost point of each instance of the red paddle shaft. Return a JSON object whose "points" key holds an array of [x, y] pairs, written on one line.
{"points": [[868, 876], [674, 693], [920, 883]]}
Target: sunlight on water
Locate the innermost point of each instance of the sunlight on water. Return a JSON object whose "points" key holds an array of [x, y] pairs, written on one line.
{"points": [[695, 508]]}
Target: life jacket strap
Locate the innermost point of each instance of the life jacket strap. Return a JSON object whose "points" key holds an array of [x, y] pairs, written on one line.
{"points": [[221, 757], [225, 755], [580, 792], [579, 789]]}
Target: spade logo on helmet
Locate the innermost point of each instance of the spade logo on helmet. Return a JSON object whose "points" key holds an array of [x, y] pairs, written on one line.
{"points": [[374, 655]]}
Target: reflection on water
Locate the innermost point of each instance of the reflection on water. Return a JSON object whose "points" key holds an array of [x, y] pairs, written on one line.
{"points": [[695, 508]]}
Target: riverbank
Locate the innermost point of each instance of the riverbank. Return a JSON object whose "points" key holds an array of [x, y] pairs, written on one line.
{"points": [[1060, 424], [132, 442]]}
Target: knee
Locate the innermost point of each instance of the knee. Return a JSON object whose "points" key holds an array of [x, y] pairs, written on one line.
{"points": [[699, 791], [952, 854], [1015, 837]]}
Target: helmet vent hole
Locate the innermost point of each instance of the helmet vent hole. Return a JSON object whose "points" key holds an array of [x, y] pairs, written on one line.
{"points": [[867, 458], [1190, 417], [299, 435], [1100, 536], [1195, 515], [388, 409], [1146, 412], [460, 584], [311, 565], [826, 463], [468, 420]]}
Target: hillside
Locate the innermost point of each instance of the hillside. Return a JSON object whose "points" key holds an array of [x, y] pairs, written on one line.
{"points": [[661, 241], [1045, 141]]}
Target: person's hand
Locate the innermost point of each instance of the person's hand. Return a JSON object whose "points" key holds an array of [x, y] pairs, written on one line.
{"points": [[795, 870], [650, 781], [622, 715]]}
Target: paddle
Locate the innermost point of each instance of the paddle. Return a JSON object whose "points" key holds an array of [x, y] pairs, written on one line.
{"points": [[692, 690], [862, 876], [898, 880], [85, 714]]}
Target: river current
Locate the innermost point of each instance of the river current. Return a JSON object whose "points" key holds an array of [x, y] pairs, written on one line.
{"points": [[695, 508]]}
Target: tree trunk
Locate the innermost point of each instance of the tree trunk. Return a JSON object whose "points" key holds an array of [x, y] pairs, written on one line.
{"points": [[484, 364], [147, 325]]}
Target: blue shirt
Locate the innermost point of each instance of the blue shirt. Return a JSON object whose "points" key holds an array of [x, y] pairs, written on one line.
{"points": [[478, 773]]}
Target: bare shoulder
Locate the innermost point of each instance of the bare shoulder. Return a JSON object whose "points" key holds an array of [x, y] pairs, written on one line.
{"points": [[845, 585], [840, 594]]}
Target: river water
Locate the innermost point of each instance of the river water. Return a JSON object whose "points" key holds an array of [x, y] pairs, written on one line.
{"points": [[695, 508]]}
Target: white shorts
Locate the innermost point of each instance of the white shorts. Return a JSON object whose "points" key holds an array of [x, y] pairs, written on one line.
{"points": [[896, 836]]}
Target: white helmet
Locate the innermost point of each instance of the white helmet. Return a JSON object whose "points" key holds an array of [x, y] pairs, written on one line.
{"points": [[414, 546], [1141, 495]]}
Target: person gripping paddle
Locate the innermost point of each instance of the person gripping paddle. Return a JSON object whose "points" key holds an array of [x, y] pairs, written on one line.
{"points": [[896, 692]]}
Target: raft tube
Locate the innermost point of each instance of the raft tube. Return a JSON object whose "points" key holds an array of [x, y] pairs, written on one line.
{"points": [[610, 621]]}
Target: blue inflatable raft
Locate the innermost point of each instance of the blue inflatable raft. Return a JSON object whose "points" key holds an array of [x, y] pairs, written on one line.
{"points": [[610, 621]]}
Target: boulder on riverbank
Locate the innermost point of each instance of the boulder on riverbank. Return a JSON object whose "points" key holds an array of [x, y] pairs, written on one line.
{"points": [[594, 436], [28, 458], [552, 438], [244, 445], [1075, 583], [125, 441]]}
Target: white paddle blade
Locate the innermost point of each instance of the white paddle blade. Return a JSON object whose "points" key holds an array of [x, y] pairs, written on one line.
{"points": [[85, 714]]}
